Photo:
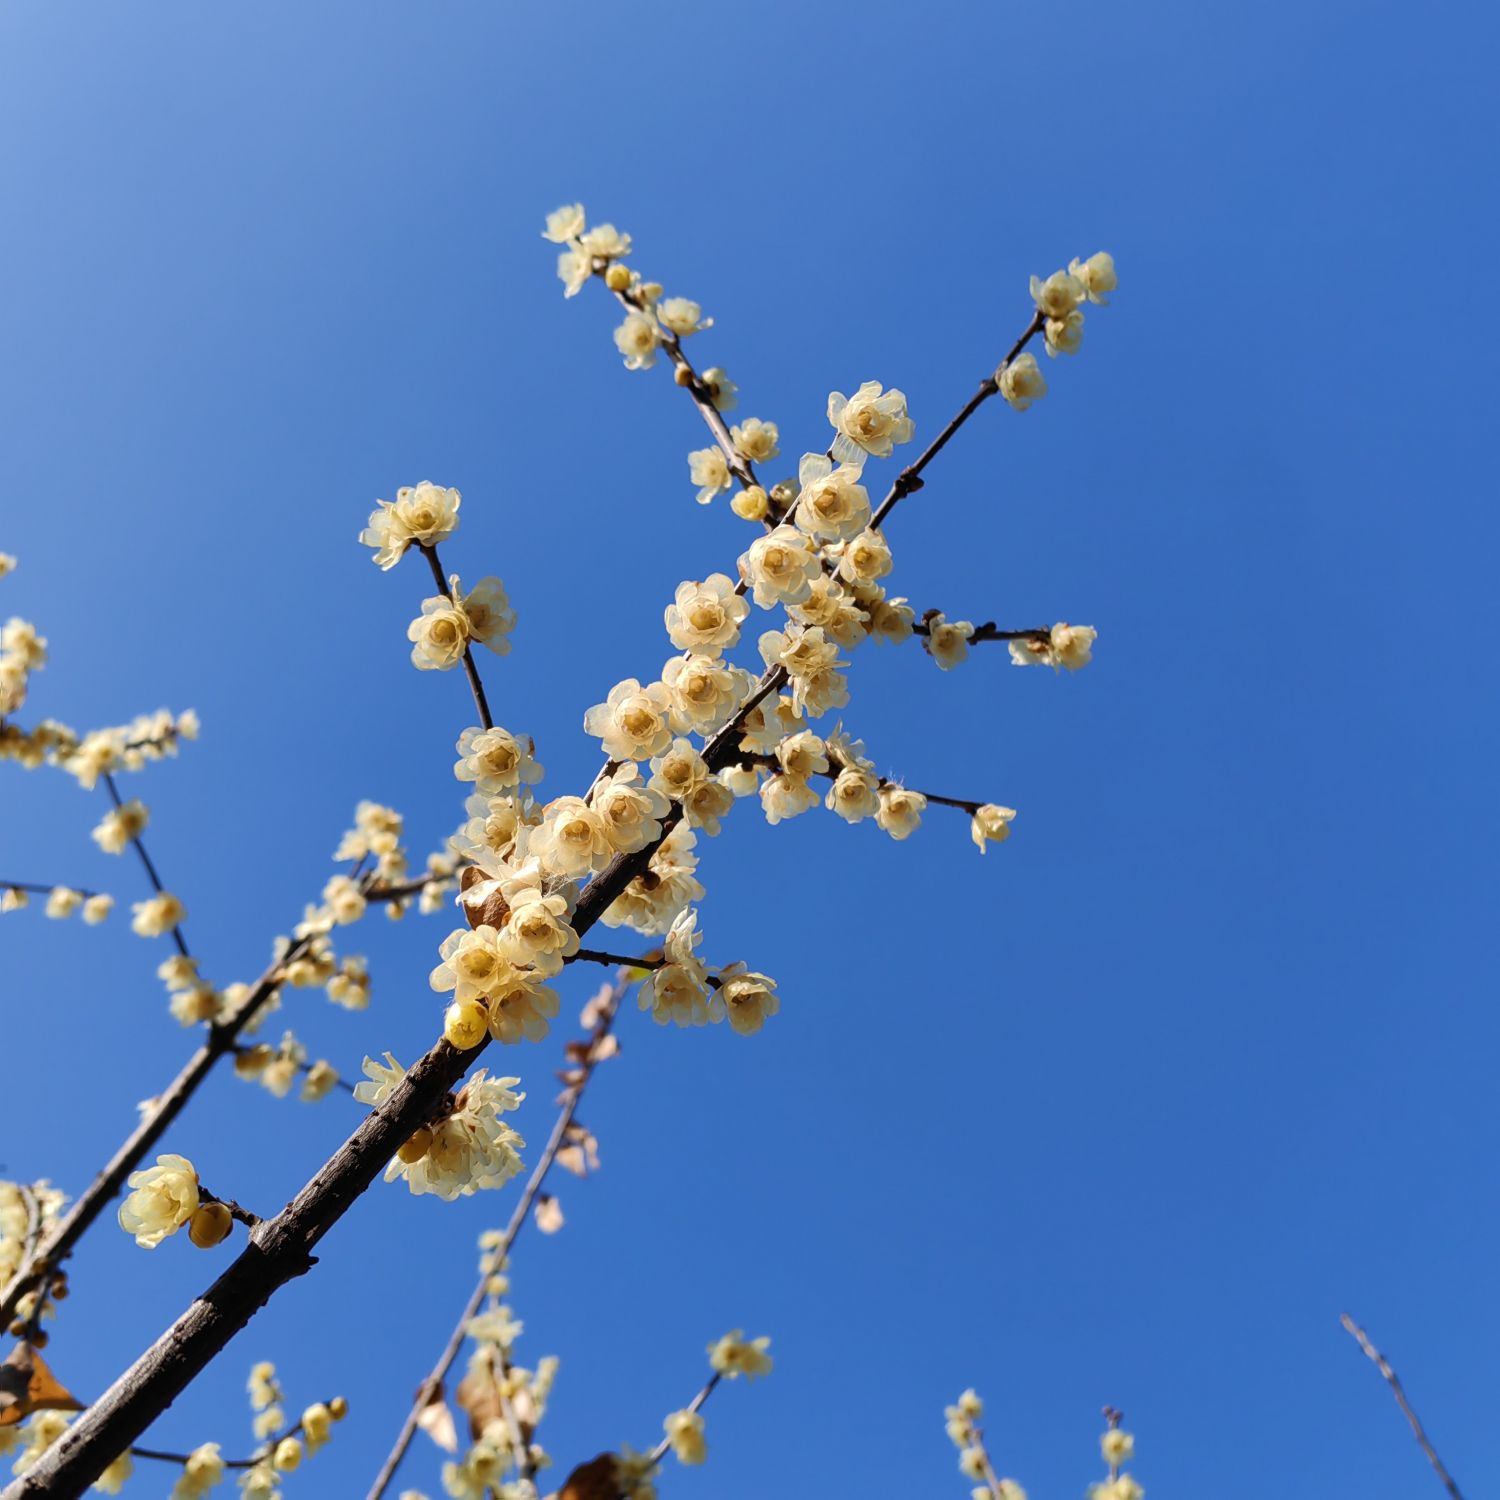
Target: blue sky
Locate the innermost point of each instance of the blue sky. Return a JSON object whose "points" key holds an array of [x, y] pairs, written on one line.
{"points": [[1126, 1111]]}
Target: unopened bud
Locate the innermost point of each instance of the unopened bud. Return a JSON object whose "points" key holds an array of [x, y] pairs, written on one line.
{"points": [[414, 1147], [751, 504], [466, 1023], [617, 278], [210, 1225]]}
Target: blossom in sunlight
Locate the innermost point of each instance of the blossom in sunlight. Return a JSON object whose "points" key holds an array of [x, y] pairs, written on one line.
{"points": [[854, 795], [749, 998], [496, 760], [571, 840], [537, 934], [865, 557], [868, 423], [705, 692], [679, 771], [682, 316], [900, 810], [97, 908], [112, 1480], [735, 1355], [991, 824], [756, 440], [709, 470], [630, 809], [382, 1081], [320, 1081], [63, 901], [1116, 1446], [1058, 295], [783, 797], [780, 567], [343, 900], [831, 502], [678, 990], [564, 224], [472, 1148], [813, 663], [42, 1430], [684, 1431], [605, 241], [947, 641], [1064, 335], [705, 617], [1021, 381], [634, 722], [162, 1199], [722, 391], [424, 513], [1096, 275], [490, 618], [651, 902], [637, 339], [574, 267], [160, 914], [1070, 646], [439, 635], [120, 825]]}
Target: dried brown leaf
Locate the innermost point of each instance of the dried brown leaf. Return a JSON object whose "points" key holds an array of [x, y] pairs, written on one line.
{"points": [[598, 1479], [437, 1422], [549, 1214], [27, 1385]]}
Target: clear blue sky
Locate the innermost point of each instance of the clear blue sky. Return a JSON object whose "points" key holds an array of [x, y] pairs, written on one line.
{"points": [[1204, 1055]]}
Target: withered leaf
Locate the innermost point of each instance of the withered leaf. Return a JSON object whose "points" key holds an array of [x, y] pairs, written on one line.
{"points": [[549, 1214], [27, 1385], [437, 1422], [478, 1394], [595, 1480], [491, 909]]}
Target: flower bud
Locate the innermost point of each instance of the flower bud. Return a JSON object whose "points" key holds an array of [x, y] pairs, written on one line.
{"points": [[288, 1455], [210, 1225], [682, 375], [751, 504], [414, 1147], [338, 1408], [466, 1023], [617, 278]]}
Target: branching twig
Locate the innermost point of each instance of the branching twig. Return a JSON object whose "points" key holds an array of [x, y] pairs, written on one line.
{"points": [[431, 1388], [1382, 1364], [430, 552], [150, 868]]}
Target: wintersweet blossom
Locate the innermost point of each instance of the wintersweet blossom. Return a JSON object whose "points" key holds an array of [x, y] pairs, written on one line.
{"points": [[783, 796], [709, 470], [868, 423], [865, 557], [854, 795], [947, 641], [780, 567], [63, 901], [203, 1471], [652, 901], [113, 1478], [991, 824], [97, 908], [705, 617], [832, 607], [162, 1199], [683, 316], [439, 635], [564, 224], [1096, 275], [472, 962], [634, 722], [705, 692], [1116, 1446], [813, 663], [490, 618], [424, 513], [749, 998], [756, 440], [768, 723], [722, 391], [472, 1148], [1058, 295], [900, 810], [382, 1080], [630, 809], [1064, 335], [572, 840], [831, 502], [605, 241], [679, 771], [706, 804], [892, 620], [120, 825], [496, 760], [1021, 381], [637, 339], [574, 267], [735, 1355], [319, 1082], [684, 1431], [1070, 646], [161, 913]]}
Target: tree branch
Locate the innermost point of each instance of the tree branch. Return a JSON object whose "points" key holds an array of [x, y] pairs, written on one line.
{"points": [[1382, 1364], [430, 552]]}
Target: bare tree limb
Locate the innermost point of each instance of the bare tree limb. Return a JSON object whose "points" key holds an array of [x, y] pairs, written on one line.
{"points": [[1382, 1364]]}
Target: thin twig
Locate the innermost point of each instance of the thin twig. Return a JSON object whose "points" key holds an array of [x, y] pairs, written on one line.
{"points": [[989, 631], [45, 890], [263, 1456], [431, 1388], [1382, 1364], [150, 868], [659, 1452], [430, 552]]}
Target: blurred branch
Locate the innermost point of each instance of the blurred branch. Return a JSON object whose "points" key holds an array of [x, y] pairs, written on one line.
{"points": [[1393, 1380]]}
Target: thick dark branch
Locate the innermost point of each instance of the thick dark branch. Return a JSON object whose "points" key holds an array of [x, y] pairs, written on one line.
{"points": [[1382, 1364], [989, 631], [430, 552]]}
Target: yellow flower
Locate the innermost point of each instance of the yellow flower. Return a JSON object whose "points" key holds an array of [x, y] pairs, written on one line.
{"points": [[162, 1200]]}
